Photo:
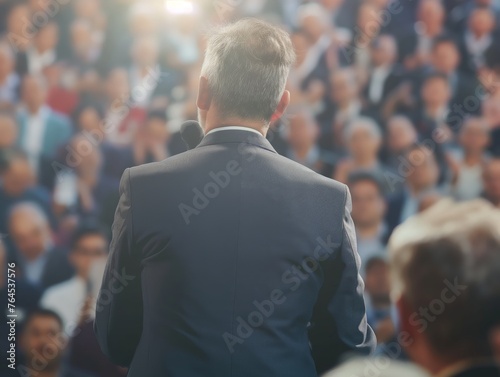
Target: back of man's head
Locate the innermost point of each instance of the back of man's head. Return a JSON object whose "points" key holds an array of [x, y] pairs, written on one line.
{"points": [[446, 280], [246, 66]]}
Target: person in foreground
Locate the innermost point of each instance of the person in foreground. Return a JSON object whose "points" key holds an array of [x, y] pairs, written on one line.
{"points": [[230, 260], [446, 270]]}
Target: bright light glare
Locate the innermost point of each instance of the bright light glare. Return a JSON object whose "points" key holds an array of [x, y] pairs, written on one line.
{"points": [[179, 6]]}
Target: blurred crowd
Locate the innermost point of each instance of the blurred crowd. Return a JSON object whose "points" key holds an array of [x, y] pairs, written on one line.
{"points": [[399, 99]]}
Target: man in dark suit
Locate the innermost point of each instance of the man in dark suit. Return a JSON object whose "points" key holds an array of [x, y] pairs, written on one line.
{"points": [[229, 259]]}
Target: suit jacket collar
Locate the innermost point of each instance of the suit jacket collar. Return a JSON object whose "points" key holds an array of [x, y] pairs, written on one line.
{"points": [[236, 137]]}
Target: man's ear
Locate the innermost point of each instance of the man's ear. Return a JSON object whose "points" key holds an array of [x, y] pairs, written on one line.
{"points": [[204, 99], [282, 105]]}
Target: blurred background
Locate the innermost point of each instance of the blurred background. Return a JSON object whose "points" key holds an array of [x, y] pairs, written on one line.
{"points": [[398, 99]]}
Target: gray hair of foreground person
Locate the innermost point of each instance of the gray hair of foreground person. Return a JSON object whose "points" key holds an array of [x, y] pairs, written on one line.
{"points": [[445, 267]]}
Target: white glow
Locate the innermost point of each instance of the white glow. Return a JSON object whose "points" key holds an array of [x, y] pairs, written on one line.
{"points": [[179, 6]]}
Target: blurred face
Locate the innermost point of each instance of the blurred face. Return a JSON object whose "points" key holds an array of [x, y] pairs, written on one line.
{"points": [[363, 145], [431, 13], [424, 173], [401, 135], [33, 93], [117, 86], [81, 37], [30, 234], [368, 206], [88, 250], [145, 52], [474, 136], [313, 27], [87, 8], [445, 58], [90, 162], [377, 281], [17, 19], [492, 180], [481, 22], [89, 120], [18, 178], [436, 92], [8, 132], [47, 38], [384, 52], [368, 20], [343, 87], [43, 343]]}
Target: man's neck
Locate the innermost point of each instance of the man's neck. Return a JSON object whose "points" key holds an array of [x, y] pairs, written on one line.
{"points": [[214, 123], [345, 106], [436, 111], [42, 50], [416, 191], [432, 30], [33, 110], [473, 158]]}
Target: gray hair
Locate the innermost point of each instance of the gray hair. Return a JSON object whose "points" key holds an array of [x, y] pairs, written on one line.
{"points": [[33, 210], [247, 65], [362, 123], [451, 245]]}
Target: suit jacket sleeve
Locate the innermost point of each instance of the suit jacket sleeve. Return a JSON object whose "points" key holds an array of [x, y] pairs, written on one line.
{"points": [[339, 323], [118, 322]]}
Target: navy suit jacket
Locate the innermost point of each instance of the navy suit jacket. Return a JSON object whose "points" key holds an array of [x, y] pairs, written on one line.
{"points": [[231, 260]]}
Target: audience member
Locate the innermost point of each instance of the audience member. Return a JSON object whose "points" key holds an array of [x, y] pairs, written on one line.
{"points": [[446, 264], [368, 209], [474, 139], [39, 261], [43, 344], [69, 297]]}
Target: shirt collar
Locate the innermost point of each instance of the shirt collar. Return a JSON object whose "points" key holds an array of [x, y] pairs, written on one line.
{"points": [[233, 128]]}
